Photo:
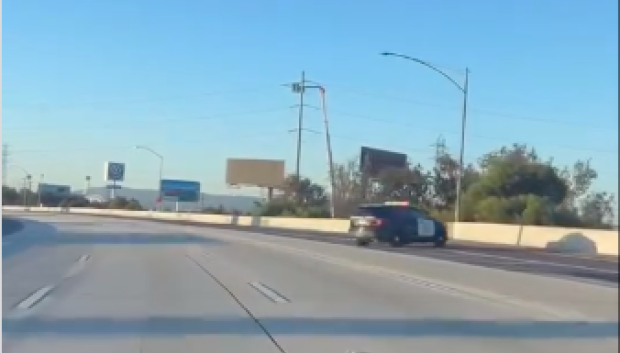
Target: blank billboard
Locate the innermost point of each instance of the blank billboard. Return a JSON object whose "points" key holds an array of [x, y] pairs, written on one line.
{"points": [[255, 172], [373, 161]]}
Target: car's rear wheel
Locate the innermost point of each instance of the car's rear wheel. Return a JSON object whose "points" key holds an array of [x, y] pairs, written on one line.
{"points": [[396, 241], [362, 242], [440, 243]]}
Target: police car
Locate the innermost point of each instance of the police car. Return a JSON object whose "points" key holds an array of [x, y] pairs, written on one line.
{"points": [[396, 223]]}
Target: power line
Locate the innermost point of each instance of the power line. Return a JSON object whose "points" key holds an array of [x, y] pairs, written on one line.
{"points": [[155, 123], [417, 126], [148, 100], [476, 111], [438, 148]]}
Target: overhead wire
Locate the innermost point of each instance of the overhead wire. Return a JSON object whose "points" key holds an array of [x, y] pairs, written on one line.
{"points": [[253, 89], [472, 110]]}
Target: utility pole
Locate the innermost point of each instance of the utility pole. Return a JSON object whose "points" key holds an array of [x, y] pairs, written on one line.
{"points": [[301, 89]]}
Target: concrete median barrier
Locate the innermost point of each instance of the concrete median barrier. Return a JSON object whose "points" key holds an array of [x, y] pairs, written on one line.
{"points": [[564, 240]]}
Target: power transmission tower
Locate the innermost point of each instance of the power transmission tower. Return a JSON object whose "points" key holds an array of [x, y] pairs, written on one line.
{"points": [[5, 163], [440, 149]]}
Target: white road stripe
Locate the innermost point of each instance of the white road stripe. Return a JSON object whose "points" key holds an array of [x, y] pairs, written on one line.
{"points": [[268, 292], [538, 262], [34, 298], [77, 266]]}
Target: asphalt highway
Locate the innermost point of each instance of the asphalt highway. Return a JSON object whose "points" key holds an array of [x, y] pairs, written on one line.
{"points": [[10, 226], [91, 284], [602, 269]]}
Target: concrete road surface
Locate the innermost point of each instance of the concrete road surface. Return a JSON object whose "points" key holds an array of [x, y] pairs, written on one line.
{"points": [[84, 284]]}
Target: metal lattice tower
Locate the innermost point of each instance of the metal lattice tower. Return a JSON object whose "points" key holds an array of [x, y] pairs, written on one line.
{"points": [[440, 148]]}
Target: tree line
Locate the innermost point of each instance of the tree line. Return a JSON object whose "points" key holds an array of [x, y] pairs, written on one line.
{"points": [[26, 197], [512, 185]]}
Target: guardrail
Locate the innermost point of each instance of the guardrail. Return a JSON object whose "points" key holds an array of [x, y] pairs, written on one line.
{"points": [[567, 240]]}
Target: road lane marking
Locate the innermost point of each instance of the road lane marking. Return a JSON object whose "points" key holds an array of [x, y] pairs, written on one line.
{"points": [[34, 298], [240, 303], [433, 284], [269, 293], [76, 267], [537, 262]]}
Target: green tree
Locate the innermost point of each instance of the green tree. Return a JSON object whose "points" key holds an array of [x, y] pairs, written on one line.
{"points": [[133, 205], [74, 201], [404, 184], [118, 203], [10, 196], [304, 191], [347, 187], [444, 177], [597, 210], [515, 186], [300, 198]]}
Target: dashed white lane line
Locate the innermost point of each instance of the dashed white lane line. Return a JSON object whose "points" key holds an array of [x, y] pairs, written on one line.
{"points": [[34, 298], [269, 293], [76, 267], [41, 294]]}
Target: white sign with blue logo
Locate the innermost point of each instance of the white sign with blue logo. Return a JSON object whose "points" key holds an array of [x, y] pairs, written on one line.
{"points": [[114, 171]]}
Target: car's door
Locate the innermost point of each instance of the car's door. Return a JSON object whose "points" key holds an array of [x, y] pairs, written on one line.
{"points": [[407, 228]]}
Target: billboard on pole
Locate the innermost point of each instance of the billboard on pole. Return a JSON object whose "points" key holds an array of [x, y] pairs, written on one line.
{"points": [[180, 190], [373, 161], [266, 173], [114, 171], [60, 191]]}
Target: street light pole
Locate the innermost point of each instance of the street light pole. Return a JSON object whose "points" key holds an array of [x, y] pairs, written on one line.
{"points": [[161, 168], [465, 90], [459, 179], [25, 186], [27, 189], [39, 188]]}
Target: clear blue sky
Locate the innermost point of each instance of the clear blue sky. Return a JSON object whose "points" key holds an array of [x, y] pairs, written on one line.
{"points": [[199, 81]]}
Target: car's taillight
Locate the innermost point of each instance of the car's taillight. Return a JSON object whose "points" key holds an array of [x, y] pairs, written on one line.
{"points": [[376, 222]]}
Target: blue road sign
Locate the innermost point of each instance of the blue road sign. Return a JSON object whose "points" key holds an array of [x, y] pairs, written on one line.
{"points": [[181, 190]]}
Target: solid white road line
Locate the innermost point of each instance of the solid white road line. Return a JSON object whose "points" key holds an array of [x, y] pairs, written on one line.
{"points": [[268, 292], [537, 262]]}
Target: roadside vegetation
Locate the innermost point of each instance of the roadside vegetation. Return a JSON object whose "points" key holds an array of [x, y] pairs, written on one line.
{"points": [[511, 185]]}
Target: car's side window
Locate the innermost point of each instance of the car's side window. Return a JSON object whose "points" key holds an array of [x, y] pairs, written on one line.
{"points": [[415, 214], [401, 214]]}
